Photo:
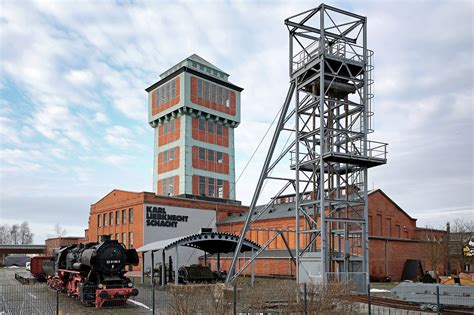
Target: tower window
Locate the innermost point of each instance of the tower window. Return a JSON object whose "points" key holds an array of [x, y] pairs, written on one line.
{"points": [[220, 158], [202, 153], [117, 217], [219, 128], [199, 86], [210, 155], [211, 187], [210, 126], [220, 188], [202, 124], [207, 90], [130, 215], [202, 186], [99, 220], [124, 216]]}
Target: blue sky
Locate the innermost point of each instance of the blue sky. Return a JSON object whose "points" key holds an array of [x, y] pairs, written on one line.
{"points": [[73, 106]]}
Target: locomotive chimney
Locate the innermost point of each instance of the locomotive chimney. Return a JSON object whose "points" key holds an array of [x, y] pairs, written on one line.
{"points": [[104, 238]]}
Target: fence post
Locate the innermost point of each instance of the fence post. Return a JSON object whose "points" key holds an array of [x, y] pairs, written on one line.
{"points": [[305, 299], [368, 299], [153, 295], [437, 300], [57, 302], [234, 299]]}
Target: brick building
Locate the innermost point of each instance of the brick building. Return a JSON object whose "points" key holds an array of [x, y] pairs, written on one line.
{"points": [[139, 218], [57, 242], [393, 238]]}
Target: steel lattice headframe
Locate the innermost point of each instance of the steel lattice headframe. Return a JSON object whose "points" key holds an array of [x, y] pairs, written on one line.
{"points": [[331, 78]]}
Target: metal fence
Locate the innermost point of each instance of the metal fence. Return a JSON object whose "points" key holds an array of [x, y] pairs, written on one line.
{"points": [[268, 296]]}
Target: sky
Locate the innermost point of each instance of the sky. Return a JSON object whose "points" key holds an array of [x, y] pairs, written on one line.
{"points": [[73, 110]]}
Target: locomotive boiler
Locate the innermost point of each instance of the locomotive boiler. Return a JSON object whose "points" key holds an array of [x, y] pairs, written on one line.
{"points": [[93, 272]]}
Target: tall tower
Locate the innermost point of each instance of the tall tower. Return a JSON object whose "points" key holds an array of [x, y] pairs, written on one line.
{"points": [[331, 78], [194, 109]]}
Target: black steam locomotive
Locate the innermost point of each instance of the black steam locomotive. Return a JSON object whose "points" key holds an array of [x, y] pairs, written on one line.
{"points": [[93, 272]]}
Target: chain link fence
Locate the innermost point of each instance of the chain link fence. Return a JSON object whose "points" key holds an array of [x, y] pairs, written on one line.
{"points": [[267, 296]]}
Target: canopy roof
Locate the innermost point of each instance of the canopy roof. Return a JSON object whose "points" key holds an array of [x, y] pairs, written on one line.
{"points": [[210, 242]]}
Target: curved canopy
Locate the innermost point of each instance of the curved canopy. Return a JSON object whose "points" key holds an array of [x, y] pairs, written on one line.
{"points": [[211, 242]]}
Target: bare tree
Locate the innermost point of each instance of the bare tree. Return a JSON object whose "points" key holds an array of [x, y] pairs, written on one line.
{"points": [[60, 231], [461, 231], [435, 249], [25, 235], [15, 233], [5, 236]]}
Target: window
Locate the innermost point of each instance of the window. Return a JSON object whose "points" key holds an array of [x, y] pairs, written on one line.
{"points": [[202, 153], [211, 188], [207, 90], [219, 95], [199, 88], [165, 128], [117, 217], [225, 97], [173, 88], [124, 239], [165, 156], [219, 129], [397, 226], [210, 155], [130, 215], [210, 126], [164, 187], [220, 157], [111, 218], [220, 188], [117, 237], [170, 186], [213, 93], [168, 92], [124, 216], [105, 219], [172, 127], [202, 124], [171, 155], [202, 186], [99, 220], [130, 239]]}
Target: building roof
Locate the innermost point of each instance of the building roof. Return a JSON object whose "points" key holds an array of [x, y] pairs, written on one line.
{"points": [[210, 242], [195, 58], [203, 61], [286, 210]]}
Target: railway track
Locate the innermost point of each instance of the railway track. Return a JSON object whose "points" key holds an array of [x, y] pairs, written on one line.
{"points": [[392, 303]]}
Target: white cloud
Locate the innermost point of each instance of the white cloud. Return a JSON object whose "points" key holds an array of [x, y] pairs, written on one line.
{"points": [[73, 98]]}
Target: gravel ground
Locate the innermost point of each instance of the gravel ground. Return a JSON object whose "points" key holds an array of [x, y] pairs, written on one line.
{"points": [[37, 298]]}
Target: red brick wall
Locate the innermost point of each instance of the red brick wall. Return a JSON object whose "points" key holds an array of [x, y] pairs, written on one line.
{"points": [[388, 257], [262, 266], [170, 164], [210, 137], [206, 103], [212, 166], [387, 252], [165, 138], [52, 243], [195, 187], [155, 97], [119, 199], [159, 187]]}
